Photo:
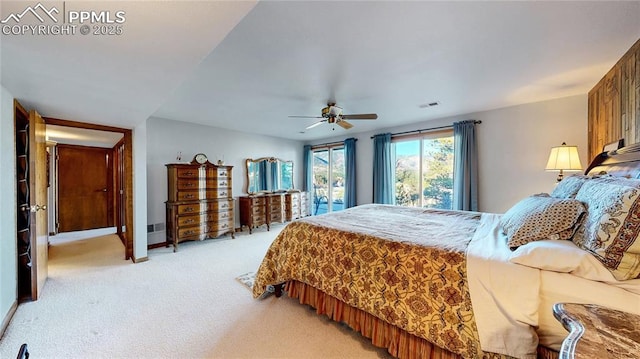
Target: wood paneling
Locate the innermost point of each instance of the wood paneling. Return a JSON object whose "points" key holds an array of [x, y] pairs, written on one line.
{"points": [[614, 104]]}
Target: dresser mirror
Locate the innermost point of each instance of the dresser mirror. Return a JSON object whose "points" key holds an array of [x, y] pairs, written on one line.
{"points": [[268, 175]]}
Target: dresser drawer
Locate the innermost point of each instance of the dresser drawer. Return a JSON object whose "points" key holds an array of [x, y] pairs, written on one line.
{"points": [[192, 172], [276, 217], [258, 210], [191, 208], [219, 182], [185, 221], [190, 232], [187, 184], [224, 204], [213, 227], [191, 195], [257, 201], [199, 207], [220, 172]]}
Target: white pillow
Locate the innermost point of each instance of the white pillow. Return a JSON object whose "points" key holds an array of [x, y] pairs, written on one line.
{"points": [[561, 256]]}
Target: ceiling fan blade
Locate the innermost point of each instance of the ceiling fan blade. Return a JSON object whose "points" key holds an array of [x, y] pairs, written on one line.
{"points": [[315, 124], [344, 124], [362, 116], [305, 116]]}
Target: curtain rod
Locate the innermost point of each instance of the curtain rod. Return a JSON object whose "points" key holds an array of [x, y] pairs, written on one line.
{"points": [[427, 129], [330, 144]]}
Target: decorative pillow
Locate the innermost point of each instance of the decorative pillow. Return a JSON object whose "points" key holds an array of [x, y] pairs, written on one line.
{"points": [[541, 217], [563, 257], [569, 186], [612, 224]]}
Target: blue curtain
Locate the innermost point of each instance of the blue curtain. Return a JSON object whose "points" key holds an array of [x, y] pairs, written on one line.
{"points": [[307, 175], [465, 166], [307, 167], [383, 173], [350, 173]]}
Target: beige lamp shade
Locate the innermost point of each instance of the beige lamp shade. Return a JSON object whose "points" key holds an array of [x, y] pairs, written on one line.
{"points": [[564, 158]]}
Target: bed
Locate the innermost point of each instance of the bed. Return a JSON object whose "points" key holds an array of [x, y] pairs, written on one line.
{"points": [[427, 283]]}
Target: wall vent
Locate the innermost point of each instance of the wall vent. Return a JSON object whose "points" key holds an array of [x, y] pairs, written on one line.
{"points": [[158, 227]]}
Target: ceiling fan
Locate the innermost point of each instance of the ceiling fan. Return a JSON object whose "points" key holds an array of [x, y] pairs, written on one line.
{"points": [[333, 114]]}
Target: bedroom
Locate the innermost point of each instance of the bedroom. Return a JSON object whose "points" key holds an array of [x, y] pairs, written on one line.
{"points": [[518, 137]]}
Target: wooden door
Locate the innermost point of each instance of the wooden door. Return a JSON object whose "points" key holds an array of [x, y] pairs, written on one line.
{"points": [[38, 203], [83, 188]]}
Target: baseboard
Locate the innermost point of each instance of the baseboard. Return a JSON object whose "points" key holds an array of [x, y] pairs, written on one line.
{"points": [[156, 245], [140, 260], [8, 317]]}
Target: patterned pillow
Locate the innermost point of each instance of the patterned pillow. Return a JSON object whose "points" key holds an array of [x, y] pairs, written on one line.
{"points": [[569, 186], [541, 217], [612, 224]]}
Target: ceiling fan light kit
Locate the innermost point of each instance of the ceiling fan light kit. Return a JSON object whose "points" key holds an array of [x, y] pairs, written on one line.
{"points": [[333, 114]]}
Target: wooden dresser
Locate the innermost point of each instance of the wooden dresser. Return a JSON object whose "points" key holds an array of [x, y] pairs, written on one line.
{"points": [[200, 202], [265, 209]]}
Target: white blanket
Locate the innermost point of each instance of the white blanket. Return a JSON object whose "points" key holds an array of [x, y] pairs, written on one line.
{"points": [[504, 295]]}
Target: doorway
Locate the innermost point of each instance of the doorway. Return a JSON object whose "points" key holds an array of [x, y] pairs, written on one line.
{"points": [[119, 181]]}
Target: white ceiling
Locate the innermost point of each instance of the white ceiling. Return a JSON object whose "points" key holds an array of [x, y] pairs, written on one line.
{"points": [[247, 66]]}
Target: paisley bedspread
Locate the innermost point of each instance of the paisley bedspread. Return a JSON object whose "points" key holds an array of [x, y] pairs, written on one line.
{"points": [[404, 265]]}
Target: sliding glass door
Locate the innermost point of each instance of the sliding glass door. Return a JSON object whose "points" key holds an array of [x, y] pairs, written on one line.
{"points": [[328, 180]]}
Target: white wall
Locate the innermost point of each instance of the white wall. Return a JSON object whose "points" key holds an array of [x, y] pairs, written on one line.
{"points": [[8, 250], [513, 148], [139, 154], [165, 138]]}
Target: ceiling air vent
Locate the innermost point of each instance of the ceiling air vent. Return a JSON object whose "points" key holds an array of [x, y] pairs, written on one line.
{"points": [[430, 104]]}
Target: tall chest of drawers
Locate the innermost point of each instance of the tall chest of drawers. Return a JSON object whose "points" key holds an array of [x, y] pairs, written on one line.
{"points": [[200, 202]]}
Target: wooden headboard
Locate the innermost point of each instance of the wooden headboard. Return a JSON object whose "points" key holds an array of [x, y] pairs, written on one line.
{"points": [[623, 162], [614, 104]]}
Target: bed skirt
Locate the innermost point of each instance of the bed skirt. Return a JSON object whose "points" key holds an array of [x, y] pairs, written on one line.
{"points": [[398, 342]]}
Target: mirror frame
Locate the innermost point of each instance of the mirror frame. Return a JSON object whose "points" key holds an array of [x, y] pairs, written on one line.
{"points": [[268, 160]]}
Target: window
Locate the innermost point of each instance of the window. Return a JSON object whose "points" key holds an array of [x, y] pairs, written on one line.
{"points": [[328, 180], [424, 171]]}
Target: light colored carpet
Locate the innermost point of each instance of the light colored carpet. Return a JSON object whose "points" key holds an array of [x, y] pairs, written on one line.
{"points": [[177, 305]]}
